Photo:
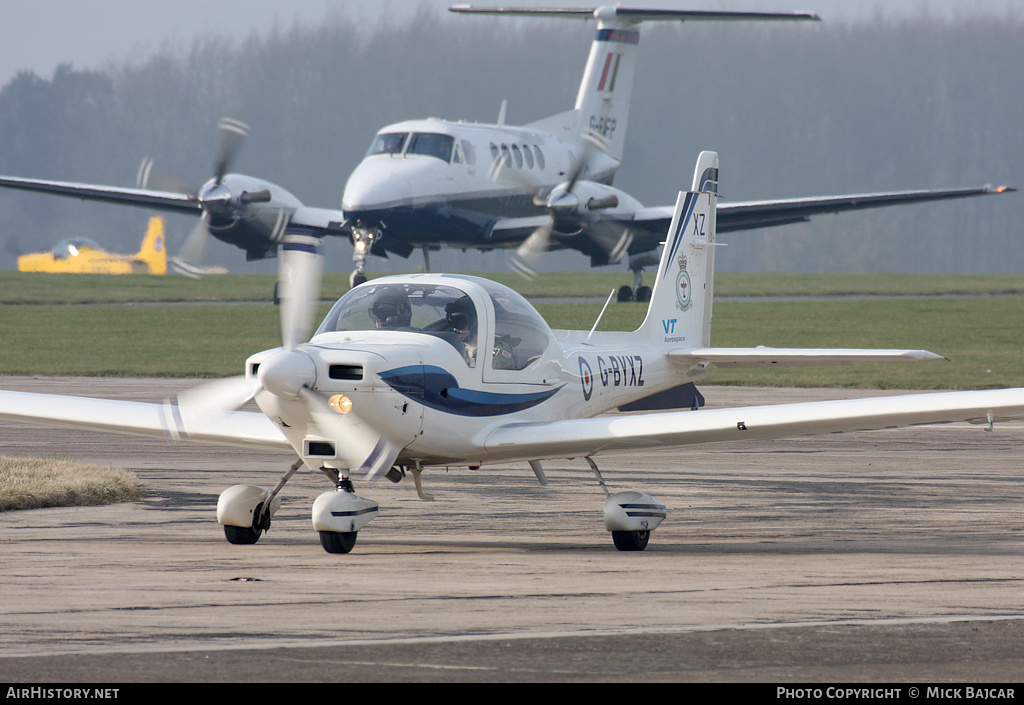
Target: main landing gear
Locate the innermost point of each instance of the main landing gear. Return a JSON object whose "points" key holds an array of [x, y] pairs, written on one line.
{"points": [[638, 292], [245, 511], [629, 516]]}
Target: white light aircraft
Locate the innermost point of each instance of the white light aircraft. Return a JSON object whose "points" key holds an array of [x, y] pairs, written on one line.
{"points": [[417, 371], [430, 183]]}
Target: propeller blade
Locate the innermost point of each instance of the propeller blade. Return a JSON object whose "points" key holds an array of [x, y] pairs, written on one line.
{"points": [[529, 254], [368, 451], [201, 405], [298, 286], [232, 136], [192, 255], [154, 178], [590, 143]]}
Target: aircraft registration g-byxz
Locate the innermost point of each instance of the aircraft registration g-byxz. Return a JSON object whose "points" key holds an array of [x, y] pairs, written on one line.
{"points": [[430, 183], [411, 372]]}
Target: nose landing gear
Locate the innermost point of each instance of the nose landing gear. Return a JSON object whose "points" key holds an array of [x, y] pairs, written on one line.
{"points": [[362, 242], [339, 515]]}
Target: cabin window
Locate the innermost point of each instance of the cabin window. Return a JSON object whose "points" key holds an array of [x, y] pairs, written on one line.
{"points": [[540, 156], [520, 334], [431, 145], [495, 154], [528, 156], [468, 152], [517, 155], [388, 143], [506, 155]]}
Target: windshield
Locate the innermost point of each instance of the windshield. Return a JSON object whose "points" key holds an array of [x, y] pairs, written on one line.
{"points": [[387, 143], [440, 311], [432, 145]]}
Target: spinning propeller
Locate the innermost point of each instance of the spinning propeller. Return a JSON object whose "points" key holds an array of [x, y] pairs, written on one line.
{"points": [[291, 373], [221, 207], [566, 207]]}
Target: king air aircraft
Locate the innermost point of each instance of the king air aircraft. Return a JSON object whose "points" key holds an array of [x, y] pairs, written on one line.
{"points": [[401, 361], [430, 183]]}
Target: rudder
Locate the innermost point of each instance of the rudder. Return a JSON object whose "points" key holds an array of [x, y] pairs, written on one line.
{"points": [[154, 251]]}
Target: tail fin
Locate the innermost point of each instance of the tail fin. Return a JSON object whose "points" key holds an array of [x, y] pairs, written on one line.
{"points": [[153, 252], [679, 314], [602, 104]]}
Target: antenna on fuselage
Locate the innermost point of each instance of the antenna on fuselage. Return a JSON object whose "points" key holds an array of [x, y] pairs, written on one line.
{"points": [[599, 316]]}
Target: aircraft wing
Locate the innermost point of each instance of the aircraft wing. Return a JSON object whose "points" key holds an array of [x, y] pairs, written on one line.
{"points": [[796, 357], [581, 437], [239, 428], [146, 198], [749, 215]]}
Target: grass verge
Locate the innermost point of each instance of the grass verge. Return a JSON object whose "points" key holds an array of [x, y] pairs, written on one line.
{"points": [[34, 483], [35, 288]]}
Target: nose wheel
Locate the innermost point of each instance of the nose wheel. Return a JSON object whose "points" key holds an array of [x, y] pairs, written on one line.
{"points": [[337, 541], [339, 515]]}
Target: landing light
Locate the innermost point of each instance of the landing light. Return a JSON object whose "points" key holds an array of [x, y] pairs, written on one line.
{"points": [[339, 403]]}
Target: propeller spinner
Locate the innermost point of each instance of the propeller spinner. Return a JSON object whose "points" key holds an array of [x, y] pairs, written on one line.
{"points": [[234, 207], [571, 205]]}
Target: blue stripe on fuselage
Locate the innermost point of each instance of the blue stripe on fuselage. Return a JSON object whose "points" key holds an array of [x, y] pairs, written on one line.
{"points": [[436, 388]]}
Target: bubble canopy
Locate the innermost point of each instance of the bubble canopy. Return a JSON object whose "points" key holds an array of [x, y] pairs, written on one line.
{"points": [[440, 305]]}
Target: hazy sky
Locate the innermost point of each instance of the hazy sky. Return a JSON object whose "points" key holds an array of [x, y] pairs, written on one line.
{"points": [[40, 34]]}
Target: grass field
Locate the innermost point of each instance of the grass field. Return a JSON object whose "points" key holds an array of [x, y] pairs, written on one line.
{"points": [[26, 288], [966, 318]]}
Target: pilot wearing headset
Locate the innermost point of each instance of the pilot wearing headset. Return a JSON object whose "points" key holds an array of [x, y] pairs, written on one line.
{"points": [[391, 308], [461, 317]]}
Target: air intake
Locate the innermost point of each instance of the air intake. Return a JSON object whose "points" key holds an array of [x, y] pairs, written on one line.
{"points": [[350, 372], [319, 449]]}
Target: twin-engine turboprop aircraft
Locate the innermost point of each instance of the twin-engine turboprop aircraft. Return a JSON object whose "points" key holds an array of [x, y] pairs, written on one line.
{"points": [[411, 372], [430, 183]]}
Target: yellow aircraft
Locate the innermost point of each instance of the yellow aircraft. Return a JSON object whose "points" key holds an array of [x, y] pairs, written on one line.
{"points": [[79, 255]]}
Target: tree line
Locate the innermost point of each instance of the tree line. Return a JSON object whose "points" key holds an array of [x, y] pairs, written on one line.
{"points": [[792, 110]]}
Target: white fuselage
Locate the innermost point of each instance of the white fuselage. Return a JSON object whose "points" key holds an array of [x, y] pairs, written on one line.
{"points": [[439, 409], [459, 191]]}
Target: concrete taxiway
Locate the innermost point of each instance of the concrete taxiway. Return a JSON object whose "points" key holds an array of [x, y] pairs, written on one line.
{"points": [[884, 556]]}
